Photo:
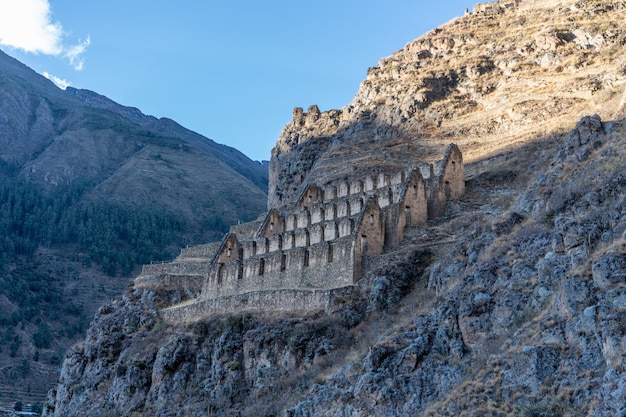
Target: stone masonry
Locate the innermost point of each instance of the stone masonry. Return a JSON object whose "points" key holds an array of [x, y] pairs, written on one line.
{"points": [[501, 6], [305, 251]]}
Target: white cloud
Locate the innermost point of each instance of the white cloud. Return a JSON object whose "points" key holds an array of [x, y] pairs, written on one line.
{"points": [[60, 82], [75, 54], [28, 25]]}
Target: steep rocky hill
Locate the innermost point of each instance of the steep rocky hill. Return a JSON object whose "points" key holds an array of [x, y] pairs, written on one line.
{"points": [[512, 304], [89, 190]]}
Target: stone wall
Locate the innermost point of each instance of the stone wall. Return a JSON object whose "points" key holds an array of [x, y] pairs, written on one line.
{"points": [[452, 174], [496, 7], [321, 265], [190, 284], [448, 183], [176, 267], [369, 237], [523, 5], [265, 301], [502, 6], [206, 251], [319, 244], [246, 229]]}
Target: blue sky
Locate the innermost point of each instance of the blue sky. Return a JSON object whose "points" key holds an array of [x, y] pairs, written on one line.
{"points": [[231, 71]]}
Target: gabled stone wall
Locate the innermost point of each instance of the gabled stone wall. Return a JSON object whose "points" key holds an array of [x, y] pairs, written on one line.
{"points": [[321, 265], [448, 182]]}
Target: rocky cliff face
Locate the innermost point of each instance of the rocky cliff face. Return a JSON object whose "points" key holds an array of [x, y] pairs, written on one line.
{"points": [[512, 304]]}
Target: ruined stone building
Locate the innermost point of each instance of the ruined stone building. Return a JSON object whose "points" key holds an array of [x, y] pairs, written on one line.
{"points": [[293, 255], [495, 7], [502, 6]]}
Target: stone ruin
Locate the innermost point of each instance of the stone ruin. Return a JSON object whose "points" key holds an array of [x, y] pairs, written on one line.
{"points": [[496, 7], [502, 6], [294, 257]]}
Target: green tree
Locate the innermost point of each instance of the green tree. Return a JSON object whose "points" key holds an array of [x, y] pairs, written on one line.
{"points": [[24, 367], [42, 338]]}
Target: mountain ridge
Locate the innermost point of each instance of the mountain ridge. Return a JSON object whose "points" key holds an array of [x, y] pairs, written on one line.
{"points": [[118, 123]]}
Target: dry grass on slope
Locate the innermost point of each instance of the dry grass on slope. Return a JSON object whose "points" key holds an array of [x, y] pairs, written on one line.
{"points": [[490, 81]]}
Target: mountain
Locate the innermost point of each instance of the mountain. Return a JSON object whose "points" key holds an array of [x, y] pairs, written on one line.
{"points": [[56, 137], [511, 304], [90, 190]]}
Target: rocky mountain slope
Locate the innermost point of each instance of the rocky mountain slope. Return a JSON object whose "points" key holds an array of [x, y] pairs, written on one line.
{"points": [[488, 82], [512, 304], [86, 185]]}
